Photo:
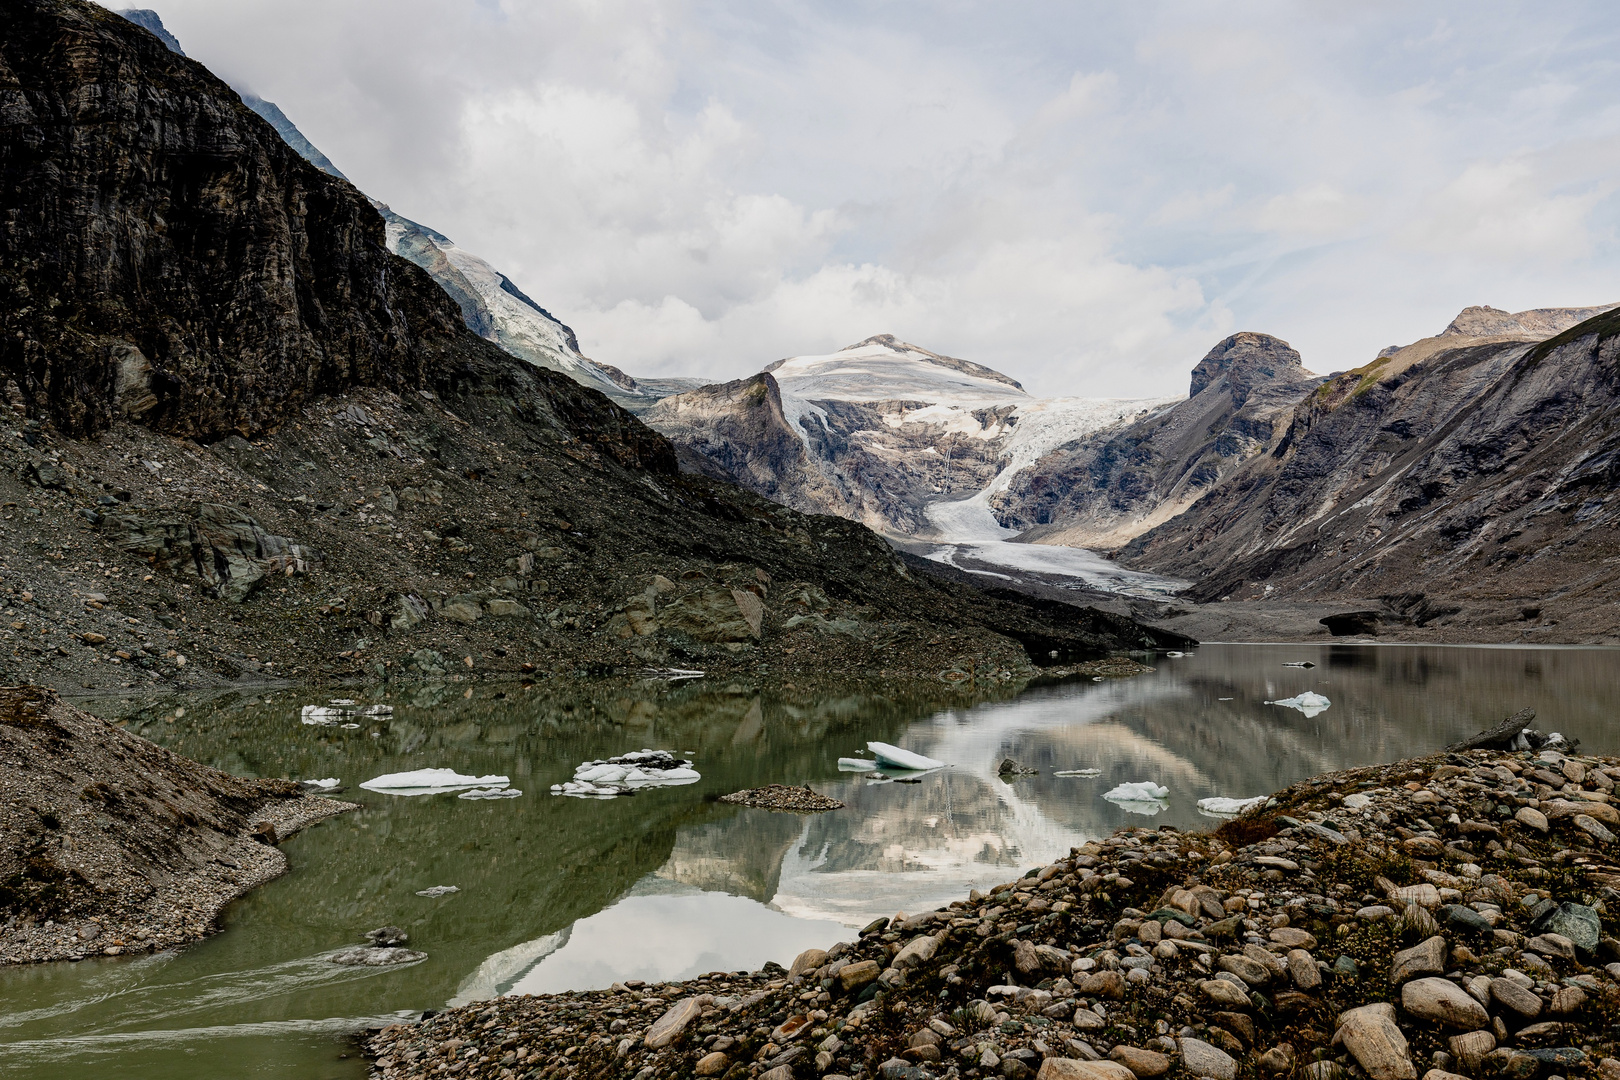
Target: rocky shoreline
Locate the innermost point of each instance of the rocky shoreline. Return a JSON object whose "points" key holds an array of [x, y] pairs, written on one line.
{"points": [[1440, 916], [110, 844]]}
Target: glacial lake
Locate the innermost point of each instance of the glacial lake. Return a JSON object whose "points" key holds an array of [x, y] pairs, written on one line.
{"points": [[562, 893]]}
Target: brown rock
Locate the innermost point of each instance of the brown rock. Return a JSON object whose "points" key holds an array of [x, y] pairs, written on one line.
{"points": [[668, 1027], [1303, 971], [1026, 959], [1520, 1000], [712, 1065], [1378, 1046], [1291, 937], [1279, 1059], [1108, 984], [1221, 992], [853, 977], [1444, 1002], [1471, 1047], [1250, 972], [807, 961], [1427, 958], [1054, 1068], [1142, 1063]]}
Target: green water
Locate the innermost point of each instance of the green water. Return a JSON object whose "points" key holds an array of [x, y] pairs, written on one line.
{"points": [[559, 893]]}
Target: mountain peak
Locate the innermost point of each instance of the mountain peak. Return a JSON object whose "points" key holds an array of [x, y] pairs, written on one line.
{"points": [[1246, 359], [1486, 321], [148, 20], [917, 352]]}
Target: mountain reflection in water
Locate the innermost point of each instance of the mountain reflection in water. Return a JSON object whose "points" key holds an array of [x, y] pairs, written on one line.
{"points": [[566, 893]]}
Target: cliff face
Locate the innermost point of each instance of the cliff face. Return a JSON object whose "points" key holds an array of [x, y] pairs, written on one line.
{"points": [[168, 257], [1103, 490], [1485, 470]]}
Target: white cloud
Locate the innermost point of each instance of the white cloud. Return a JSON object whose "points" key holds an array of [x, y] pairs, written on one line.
{"points": [[1085, 194]]}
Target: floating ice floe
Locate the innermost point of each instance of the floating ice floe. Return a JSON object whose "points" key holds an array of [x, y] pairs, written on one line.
{"points": [[1230, 807], [490, 793], [431, 782], [1225, 699], [1172, 654], [325, 785], [1137, 791], [1078, 772], [437, 890], [855, 764], [1308, 703], [892, 757], [627, 774]]}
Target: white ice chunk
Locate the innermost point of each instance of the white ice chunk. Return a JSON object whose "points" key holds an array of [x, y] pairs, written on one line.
{"points": [[438, 890], [323, 714], [855, 764], [1137, 791], [893, 757], [1309, 703], [490, 793], [1078, 772], [327, 784], [430, 781], [1230, 807]]}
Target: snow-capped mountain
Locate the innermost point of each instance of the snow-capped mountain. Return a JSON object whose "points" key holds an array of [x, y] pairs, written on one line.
{"points": [[888, 433], [492, 306]]}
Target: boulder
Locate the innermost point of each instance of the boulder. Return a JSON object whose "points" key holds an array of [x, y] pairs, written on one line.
{"points": [[1443, 1002], [1520, 1000], [1142, 1063], [667, 1028], [917, 951], [854, 977], [1199, 1058], [1224, 994], [1373, 1039], [1427, 958], [1054, 1068], [807, 962], [1577, 922]]}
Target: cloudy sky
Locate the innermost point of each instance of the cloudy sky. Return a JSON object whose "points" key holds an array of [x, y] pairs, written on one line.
{"points": [[1085, 195]]}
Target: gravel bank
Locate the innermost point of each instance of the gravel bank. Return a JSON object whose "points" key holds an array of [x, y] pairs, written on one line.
{"points": [[110, 844], [1447, 913]]}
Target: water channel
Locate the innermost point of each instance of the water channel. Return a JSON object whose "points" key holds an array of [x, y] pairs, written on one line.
{"points": [[559, 893]]}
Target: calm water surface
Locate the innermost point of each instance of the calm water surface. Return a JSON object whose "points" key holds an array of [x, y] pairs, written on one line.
{"points": [[559, 893]]}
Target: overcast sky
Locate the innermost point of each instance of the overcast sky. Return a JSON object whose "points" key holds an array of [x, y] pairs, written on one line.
{"points": [[1084, 195]]}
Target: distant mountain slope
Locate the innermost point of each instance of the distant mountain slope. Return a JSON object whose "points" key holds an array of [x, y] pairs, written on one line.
{"points": [[878, 431], [493, 307], [1103, 490], [1460, 466]]}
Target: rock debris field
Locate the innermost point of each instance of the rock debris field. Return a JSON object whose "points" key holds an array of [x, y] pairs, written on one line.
{"points": [[1438, 917]]}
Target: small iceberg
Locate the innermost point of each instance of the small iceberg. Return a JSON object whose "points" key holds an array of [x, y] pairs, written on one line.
{"points": [[892, 757], [323, 785], [855, 764], [431, 782], [490, 793], [323, 715], [438, 890], [1078, 772], [1172, 654], [628, 773], [1137, 791], [1230, 807], [1308, 703]]}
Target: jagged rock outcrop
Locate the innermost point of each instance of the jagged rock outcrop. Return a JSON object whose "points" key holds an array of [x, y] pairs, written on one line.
{"points": [[1481, 471], [1105, 489]]}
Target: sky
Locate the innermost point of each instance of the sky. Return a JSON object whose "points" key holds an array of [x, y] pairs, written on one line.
{"points": [[1084, 195]]}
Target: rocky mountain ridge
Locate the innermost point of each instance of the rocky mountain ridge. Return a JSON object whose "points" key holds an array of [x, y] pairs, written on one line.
{"points": [[493, 307], [879, 431], [244, 439], [1470, 485]]}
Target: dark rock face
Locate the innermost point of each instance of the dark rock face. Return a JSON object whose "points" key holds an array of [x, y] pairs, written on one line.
{"points": [[1104, 490], [169, 257], [1248, 360], [1485, 470]]}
